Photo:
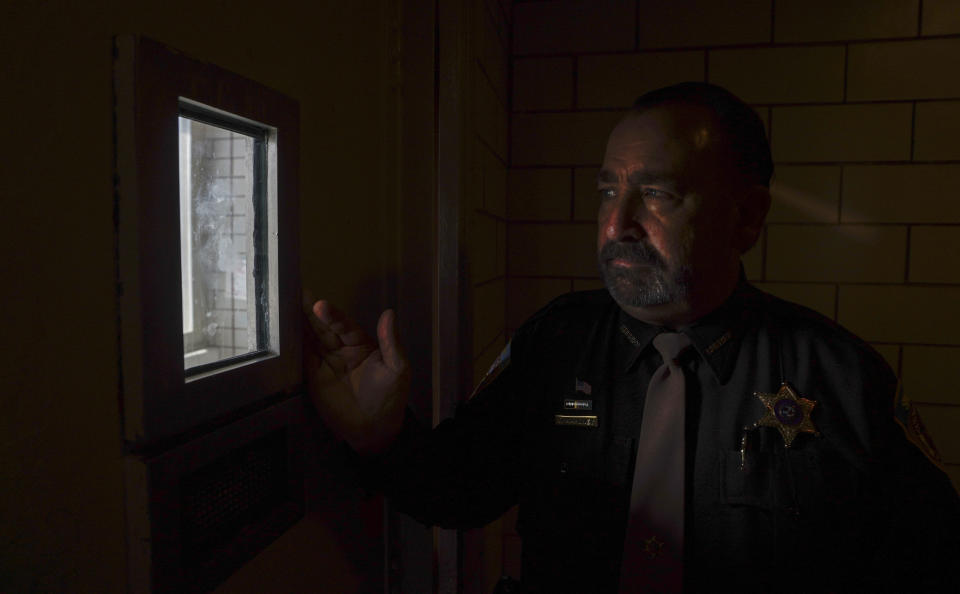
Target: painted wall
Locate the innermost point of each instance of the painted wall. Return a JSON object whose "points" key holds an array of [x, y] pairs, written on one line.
{"points": [[61, 521]]}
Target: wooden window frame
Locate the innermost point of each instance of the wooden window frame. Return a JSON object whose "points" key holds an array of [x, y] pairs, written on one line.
{"points": [[160, 400]]}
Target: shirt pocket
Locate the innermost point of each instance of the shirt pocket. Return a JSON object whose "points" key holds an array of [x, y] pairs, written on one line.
{"points": [[748, 479], [800, 481], [826, 484]]}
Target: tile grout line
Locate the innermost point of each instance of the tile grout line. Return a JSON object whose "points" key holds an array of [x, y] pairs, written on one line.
{"points": [[836, 302], [900, 365], [920, 19], [773, 20], [913, 129], [503, 101], [493, 151], [511, 74], [839, 219], [846, 68], [575, 82], [763, 255], [906, 258], [507, 169], [636, 27], [808, 104], [733, 46], [484, 348], [770, 131]]}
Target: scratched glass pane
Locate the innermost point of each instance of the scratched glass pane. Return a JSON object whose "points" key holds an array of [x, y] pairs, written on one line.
{"points": [[216, 243]]}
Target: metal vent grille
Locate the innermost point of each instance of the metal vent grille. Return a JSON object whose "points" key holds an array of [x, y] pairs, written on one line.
{"points": [[233, 507], [224, 491]]}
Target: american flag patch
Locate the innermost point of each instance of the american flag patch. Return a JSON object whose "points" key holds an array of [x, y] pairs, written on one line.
{"points": [[582, 386]]}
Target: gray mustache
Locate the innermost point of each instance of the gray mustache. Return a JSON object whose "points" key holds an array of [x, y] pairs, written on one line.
{"points": [[638, 252]]}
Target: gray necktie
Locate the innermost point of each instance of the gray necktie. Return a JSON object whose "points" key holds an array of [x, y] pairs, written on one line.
{"points": [[653, 547]]}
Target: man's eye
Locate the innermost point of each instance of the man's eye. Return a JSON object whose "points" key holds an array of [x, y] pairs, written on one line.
{"points": [[660, 201], [607, 193], [656, 194]]}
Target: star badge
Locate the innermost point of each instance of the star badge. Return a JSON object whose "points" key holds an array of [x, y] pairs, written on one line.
{"points": [[652, 547], [788, 412]]}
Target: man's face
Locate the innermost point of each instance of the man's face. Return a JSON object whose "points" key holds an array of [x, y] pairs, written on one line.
{"points": [[666, 220]]}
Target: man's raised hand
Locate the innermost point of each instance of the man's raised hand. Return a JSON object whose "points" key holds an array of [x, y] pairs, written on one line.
{"points": [[358, 386]]}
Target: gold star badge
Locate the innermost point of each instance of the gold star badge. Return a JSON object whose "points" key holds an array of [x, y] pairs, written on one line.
{"points": [[788, 412], [652, 547]]}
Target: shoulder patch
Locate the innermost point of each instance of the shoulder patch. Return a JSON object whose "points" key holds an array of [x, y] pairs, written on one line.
{"points": [[906, 415], [497, 367]]}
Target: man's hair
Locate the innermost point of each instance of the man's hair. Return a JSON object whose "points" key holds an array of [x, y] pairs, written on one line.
{"points": [[737, 121]]}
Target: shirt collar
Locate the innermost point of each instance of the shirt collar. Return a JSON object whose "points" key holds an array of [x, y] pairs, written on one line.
{"points": [[716, 336]]}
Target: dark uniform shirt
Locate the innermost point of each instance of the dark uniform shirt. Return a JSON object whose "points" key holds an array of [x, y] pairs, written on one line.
{"points": [[854, 507]]}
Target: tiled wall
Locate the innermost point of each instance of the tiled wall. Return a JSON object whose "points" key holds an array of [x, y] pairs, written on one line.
{"points": [[486, 229], [862, 103], [486, 216]]}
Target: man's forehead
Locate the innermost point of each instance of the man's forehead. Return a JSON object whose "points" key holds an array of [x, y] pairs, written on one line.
{"points": [[659, 141], [637, 175], [690, 125]]}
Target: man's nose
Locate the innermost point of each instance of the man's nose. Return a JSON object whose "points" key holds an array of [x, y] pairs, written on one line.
{"points": [[624, 221]]}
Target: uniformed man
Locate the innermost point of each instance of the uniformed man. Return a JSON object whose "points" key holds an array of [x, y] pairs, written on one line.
{"points": [[680, 430]]}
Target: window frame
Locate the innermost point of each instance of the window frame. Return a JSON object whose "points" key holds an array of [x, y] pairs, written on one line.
{"points": [[161, 400]]}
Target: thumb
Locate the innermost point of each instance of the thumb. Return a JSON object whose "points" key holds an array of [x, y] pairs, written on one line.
{"points": [[388, 335]]}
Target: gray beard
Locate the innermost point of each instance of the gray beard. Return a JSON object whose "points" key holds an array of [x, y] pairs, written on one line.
{"points": [[646, 285]]}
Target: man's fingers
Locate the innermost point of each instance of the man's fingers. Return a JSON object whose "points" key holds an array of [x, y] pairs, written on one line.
{"points": [[337, 335], [326, 338], [388, 335], [307, 300], [332, 327], [338, 322]]}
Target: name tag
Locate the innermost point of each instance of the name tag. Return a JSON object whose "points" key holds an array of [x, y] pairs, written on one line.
{"points": [[571, 404], [575, 420]]}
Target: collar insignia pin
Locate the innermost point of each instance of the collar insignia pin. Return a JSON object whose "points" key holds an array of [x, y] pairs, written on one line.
{"points": [[571, 404], [787, 412]]}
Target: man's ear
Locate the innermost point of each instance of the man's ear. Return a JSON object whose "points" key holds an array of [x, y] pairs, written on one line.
{"points": [[751, 213]]}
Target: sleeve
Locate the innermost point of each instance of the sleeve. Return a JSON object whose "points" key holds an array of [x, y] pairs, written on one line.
{"points": [[917, 510], [466, 471]]}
